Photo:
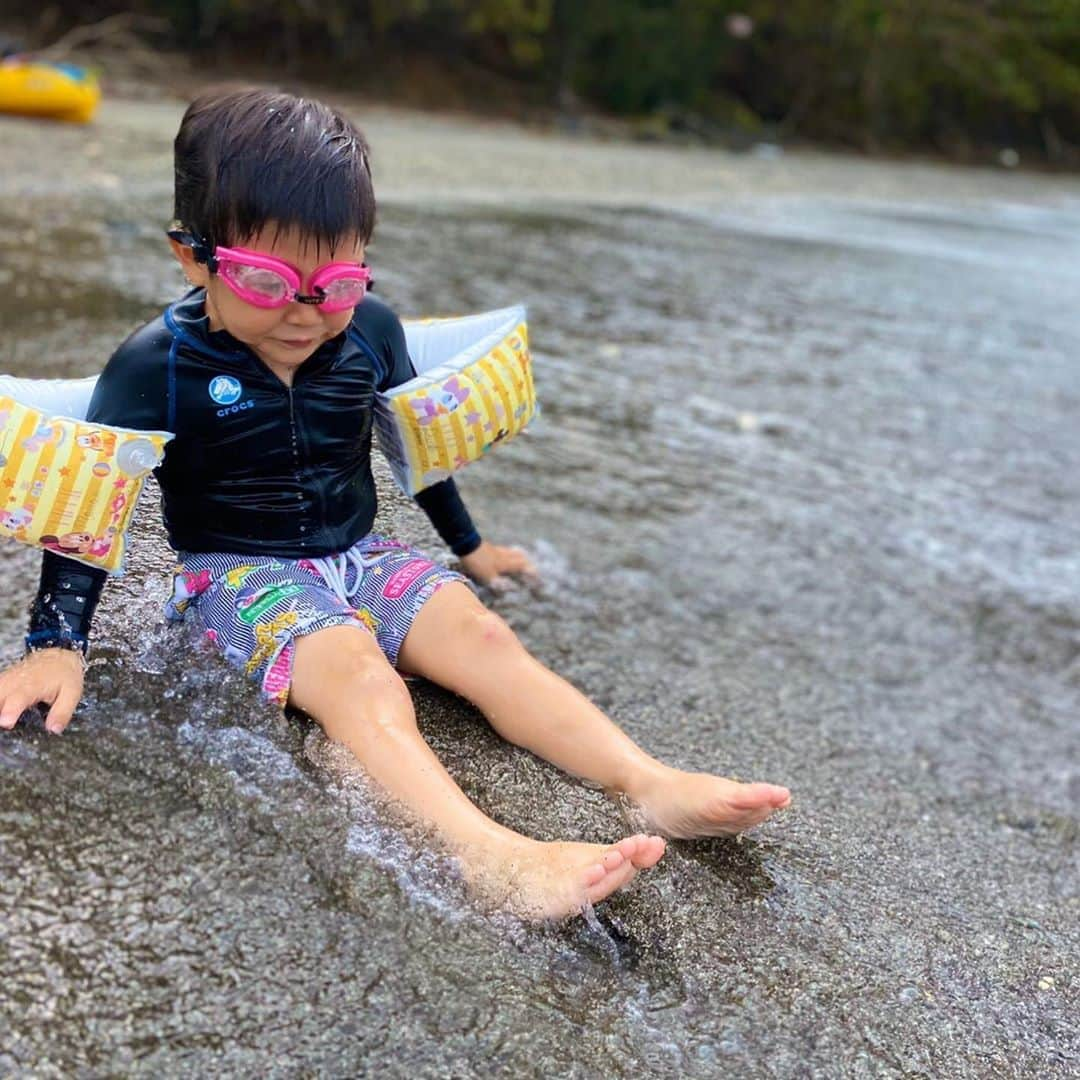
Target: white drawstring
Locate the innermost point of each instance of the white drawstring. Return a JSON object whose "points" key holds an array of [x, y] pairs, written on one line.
{"points": [[334, 570]]}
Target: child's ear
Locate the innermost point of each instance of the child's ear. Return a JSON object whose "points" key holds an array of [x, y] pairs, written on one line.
{"points": [[195, 272]]}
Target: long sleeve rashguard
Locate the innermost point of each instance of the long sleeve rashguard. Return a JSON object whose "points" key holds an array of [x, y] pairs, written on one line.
{"points": [[256, 467]]}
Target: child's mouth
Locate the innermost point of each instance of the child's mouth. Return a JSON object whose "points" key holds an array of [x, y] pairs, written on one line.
{"points": [[298, 343]]}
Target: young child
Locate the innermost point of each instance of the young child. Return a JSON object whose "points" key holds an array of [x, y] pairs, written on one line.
{"points": [[266, 373]]}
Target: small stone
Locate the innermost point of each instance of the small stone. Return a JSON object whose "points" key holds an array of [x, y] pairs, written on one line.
{"points": [[1046, 983]]}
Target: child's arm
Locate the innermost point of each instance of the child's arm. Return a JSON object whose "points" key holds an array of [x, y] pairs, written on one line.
{"points": [[61, 614], [131, 393], [483, 561]]}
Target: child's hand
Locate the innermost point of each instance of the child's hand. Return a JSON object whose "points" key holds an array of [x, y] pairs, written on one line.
{"points": [[491, 564], [52, 676]]}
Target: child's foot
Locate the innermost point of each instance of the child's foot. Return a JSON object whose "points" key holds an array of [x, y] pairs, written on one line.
{"points": [[685, 805], [549, 881]]}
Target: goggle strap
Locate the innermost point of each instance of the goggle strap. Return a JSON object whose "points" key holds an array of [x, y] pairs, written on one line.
{"points": [[204, 253]]}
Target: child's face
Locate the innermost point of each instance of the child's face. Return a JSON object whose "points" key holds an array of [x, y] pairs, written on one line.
{"points": [[283, 338]]}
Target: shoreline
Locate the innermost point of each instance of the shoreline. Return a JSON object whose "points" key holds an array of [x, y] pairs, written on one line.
{"points": [[459, 158]]}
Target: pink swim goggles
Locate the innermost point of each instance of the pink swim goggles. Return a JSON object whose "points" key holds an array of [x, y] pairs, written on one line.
{"points": [[267, 282]]}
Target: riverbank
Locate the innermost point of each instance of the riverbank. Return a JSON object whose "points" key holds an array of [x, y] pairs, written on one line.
{"points": [[421, 156]]}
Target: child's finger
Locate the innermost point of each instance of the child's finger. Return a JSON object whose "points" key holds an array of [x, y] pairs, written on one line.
{"points": [[516, 561], [61, 711], [14, 705]]}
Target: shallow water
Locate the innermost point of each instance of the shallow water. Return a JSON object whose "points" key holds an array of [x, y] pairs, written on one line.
{"points": [[806, 495]]}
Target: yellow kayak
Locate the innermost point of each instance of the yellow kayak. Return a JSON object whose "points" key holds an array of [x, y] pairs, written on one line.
{"points": [[51, 91]]}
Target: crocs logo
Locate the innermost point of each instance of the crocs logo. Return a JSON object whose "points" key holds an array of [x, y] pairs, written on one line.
{"points": [[240, 406], [224, 389]]}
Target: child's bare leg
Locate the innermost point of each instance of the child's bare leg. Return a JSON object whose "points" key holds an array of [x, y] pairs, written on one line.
{"points": [[342, 680], [457, 643]]}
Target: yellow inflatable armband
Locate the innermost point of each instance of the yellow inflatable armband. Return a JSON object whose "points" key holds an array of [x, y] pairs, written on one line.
{"points": [[66, 485], [474, 390]]}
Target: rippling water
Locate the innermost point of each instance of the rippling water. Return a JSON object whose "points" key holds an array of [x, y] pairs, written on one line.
{"points": [[806, 495]]}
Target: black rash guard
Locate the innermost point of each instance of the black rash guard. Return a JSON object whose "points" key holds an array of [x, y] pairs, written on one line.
{"points": [[256, 467]]}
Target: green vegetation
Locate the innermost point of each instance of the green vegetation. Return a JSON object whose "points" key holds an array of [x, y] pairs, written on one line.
{"points": [[961, 76]]}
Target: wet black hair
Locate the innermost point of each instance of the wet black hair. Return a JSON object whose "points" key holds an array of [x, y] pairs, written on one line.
{"points": [[247, 157]]}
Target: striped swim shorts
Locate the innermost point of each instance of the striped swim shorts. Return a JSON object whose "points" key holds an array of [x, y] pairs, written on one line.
{"points": [[253, 608]]}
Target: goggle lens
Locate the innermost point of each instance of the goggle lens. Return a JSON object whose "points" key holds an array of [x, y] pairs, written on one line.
{"points": [[258, 283], [342, 292]]}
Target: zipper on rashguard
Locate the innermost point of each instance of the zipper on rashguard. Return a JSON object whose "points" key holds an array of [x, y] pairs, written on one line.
{"points": [[296, 461]]}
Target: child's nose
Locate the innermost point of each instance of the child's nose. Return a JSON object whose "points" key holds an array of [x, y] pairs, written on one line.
{"points": [[303, 314]]}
